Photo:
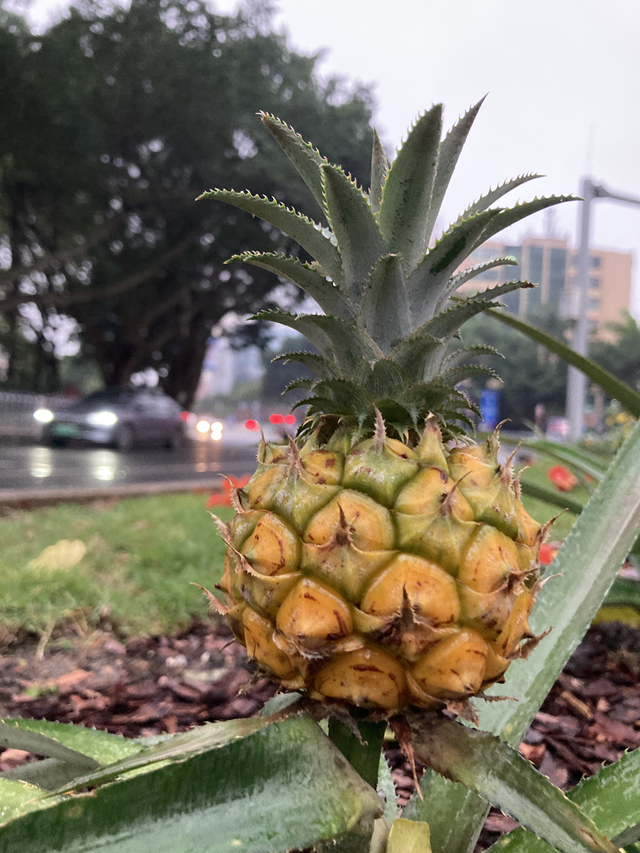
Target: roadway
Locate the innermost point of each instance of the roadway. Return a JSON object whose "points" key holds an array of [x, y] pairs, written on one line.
{"points": [[36, 469]]}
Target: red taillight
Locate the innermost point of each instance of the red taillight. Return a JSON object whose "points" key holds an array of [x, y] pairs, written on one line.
{"points": [[289, 419], [184, 416], [276, 419], [251, 424]]}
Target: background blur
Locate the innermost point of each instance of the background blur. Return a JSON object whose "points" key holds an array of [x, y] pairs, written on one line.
{"points": [[117, 116]]}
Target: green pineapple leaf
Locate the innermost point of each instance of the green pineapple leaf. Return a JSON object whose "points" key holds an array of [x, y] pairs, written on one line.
{"points": [[454, 358], [331, 336], [406, 198], [347, 396], [328, 296], [611, 799], [306, 159], [301, 384], [325, 368], [384, 310], [379, 170], [518, 212], [471, 272], [301, 229], [493, 195], [429, 279], [384, 379], [415, 352], [487, 765], [448, 155], [355, 228], [447, 323], [466, 371]]}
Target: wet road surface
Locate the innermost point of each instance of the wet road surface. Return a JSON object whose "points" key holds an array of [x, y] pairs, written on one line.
{"points": [[47, 468]]}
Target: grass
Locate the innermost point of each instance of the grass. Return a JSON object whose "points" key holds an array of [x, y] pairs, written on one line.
{"points": [[142, 554]]}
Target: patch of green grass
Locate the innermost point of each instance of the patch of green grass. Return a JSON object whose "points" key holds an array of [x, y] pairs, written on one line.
{"points": [[142, 555]]}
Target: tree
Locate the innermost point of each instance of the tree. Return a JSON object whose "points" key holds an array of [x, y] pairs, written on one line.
{"points": [[621, 355], [530, 374], [119, 121]]}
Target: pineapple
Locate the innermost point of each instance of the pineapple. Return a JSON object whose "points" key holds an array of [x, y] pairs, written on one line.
{"points": [[382, 559]]}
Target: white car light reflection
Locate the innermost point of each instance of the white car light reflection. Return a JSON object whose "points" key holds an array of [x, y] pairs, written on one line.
{"points": [[43, 416], [102, 418], [40, 462]]}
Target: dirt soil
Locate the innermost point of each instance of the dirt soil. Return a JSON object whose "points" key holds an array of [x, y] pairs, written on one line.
{"points": [[166, 684]]}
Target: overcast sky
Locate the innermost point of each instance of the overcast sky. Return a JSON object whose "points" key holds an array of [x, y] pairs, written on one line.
{"points": [[562, 78]]}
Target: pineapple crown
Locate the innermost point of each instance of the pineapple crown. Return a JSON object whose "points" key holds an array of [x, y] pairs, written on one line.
{"points": [[389, 300]]}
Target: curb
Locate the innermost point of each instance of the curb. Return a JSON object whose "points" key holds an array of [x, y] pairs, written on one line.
{"points": [[31, 498]]}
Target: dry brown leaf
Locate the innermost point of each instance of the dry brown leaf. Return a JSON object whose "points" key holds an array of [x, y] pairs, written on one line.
{"points": [[62, 556]]}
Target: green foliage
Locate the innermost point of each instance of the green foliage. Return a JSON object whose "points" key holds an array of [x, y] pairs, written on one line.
{"points": [[375, 263], [529, 373], [116, 120], [620, 352]]}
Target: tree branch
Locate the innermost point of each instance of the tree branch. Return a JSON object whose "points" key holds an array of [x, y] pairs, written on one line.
{"points": [[92, 294]]}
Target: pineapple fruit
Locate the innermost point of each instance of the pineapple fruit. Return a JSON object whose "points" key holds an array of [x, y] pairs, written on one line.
{"points": [[382, 559]]}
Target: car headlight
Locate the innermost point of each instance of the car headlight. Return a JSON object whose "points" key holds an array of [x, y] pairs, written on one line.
{"points": [[216, 431], [102, 419], [203, 426], [43, 416]]}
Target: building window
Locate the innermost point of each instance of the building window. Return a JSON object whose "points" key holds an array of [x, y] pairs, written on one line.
{"points": [[594, 283], [594, 305], [595, 262], [557, 275]]}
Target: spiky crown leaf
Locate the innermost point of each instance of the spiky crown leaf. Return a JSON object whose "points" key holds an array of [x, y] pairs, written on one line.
{"points": [[389, 300]]}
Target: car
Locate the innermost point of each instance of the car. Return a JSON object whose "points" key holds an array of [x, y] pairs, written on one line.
{"points": [[122, 417]]}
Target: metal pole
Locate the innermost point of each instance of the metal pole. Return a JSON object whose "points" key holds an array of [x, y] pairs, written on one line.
{"points": [[577, 381]]}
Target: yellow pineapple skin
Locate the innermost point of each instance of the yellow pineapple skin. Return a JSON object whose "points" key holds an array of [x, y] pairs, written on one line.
{"points": [[381, 575]]}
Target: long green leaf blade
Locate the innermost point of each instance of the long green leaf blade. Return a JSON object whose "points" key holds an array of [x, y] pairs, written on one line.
{"points": [[428, 281], [448, 154], [98, 746], [561, 500], [356, 230], [200, 805], [305, 232], [379, 170], [384, 311], [620, 391], [611, 799], [333, 337], [587, 564], [324, 368], [501, 776], [518, 212], [454, 813], [73, 762], [328, 296], [494, 195], [407, 193], [306, 159], [445, 324]]}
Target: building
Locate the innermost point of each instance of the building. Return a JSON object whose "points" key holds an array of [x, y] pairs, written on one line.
{"points": [[552, 265], [223, 367]]}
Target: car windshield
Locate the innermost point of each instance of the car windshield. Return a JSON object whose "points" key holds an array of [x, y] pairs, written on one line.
{"points": [[108, 397]]}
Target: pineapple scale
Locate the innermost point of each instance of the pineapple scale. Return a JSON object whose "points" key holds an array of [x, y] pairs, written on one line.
{"points": [[381, 575]]}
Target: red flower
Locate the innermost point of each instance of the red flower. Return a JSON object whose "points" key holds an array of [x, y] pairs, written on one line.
{"points": [[562, 478], [223, 497]]}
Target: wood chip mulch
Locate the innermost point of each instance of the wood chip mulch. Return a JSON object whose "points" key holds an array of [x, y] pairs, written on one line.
{"points": [[168, 684]]}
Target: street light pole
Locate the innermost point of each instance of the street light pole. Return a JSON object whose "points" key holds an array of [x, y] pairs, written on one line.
{"points": [[576, 380]]}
